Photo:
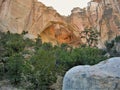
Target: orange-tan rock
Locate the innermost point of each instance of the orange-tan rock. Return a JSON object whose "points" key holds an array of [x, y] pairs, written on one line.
{"points": [[58, 33], [102, 15], [17, 16], [105, 18]]}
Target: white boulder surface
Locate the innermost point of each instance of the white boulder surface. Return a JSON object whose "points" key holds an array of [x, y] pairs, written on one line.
{"points": [[102, 76]]}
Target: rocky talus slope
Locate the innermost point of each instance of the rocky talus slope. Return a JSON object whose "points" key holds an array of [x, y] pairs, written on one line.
{"points": [[17, 16]]}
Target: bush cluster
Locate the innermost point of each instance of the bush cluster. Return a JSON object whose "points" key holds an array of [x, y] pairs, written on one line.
{"points": [[111, 47], [34, 66]]}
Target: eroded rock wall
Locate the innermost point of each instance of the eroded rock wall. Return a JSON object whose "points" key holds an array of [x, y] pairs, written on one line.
{"points": [[102, 15], [105, 17], [13, 14], [17, 16]]}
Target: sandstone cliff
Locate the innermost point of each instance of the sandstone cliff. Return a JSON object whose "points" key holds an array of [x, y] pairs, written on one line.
{"points": [[102, 15], [105, 18], [17, 16]]}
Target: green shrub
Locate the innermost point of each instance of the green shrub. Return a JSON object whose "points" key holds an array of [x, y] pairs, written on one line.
{"points": [[47, 46], [16, 66], [13, 43], [63, 58], [91, 36], [87, 55], [117, 39], [79, 56], [43, 75], [1, 71], [109, 45]]}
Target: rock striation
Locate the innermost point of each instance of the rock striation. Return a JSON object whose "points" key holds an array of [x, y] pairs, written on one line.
{"points": [[105, 17], [103, 76], [34, 17], [102, 15]]}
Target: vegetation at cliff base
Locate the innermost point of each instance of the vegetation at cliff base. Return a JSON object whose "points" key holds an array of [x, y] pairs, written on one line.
{"points": [[35, 66], [113, 47]]}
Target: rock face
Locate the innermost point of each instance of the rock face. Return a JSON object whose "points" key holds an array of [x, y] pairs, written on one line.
{"points": [[17, 16], [26, 15], [102, 15], [58, 33], [13, 14], [105, 17], [103, 76]]}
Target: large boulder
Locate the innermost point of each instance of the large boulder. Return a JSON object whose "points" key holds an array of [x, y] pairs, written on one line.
{"points": [[103, 76]]}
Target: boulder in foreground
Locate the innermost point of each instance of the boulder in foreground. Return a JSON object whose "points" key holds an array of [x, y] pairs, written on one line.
{"points": [[103, 76]]}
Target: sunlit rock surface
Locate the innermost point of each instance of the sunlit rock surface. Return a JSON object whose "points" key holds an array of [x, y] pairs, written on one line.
{"points": [[102, 76], [17, 16], [34, 17]]}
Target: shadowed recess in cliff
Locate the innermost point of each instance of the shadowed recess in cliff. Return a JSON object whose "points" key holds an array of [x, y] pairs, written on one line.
{"points": [[58, 33]]}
